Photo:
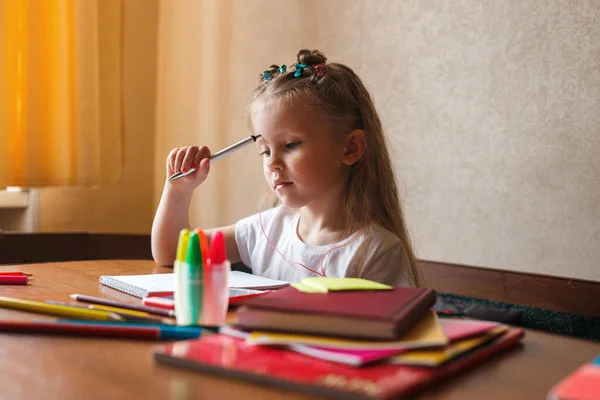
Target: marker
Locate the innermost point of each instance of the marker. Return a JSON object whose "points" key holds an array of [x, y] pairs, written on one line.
{"points": [[189, 307], [179, 268], [217, 285], [204, 249]]}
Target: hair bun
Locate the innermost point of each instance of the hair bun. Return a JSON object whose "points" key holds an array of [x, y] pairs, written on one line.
{"points": [[310, 57]]}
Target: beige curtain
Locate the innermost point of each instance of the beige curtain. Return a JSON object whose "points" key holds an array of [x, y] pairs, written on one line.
{"points": [[211, 53], [60, 92]]}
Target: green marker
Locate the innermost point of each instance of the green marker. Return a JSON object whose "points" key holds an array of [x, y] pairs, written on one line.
{"points": [[192, 303], [180, 268]]}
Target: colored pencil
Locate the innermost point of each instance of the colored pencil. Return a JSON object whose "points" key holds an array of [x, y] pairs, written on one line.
{"points": [[13, 279], [112, 303], [101, 329], [15, 273], [128, 315], [58, 310]]}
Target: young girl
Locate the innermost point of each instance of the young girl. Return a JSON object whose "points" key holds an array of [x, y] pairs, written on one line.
{"points": [[325, 159]]}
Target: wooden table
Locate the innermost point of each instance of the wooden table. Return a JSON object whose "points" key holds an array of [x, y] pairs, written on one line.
{"points": [[36, 366]]}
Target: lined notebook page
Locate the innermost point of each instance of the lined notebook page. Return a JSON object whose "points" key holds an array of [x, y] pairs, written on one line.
{"points": [[163, 284]]}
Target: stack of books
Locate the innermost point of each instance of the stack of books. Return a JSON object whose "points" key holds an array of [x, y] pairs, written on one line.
{"points": [[377, 343]]}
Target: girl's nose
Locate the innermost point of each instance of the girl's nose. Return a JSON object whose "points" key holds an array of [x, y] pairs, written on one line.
{"points": [[274, 162]]}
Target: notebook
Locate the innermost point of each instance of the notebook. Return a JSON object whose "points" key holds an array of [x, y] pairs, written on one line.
{"points": [[430, 333], [581, 384], [164, 284], [229, 356], [380, 315], [438, 356]]}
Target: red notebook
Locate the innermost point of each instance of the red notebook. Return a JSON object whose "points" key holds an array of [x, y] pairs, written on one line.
{"points": [[581, 384], [229, 356], [381, 314]]}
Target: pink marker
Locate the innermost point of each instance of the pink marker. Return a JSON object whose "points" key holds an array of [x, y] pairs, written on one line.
{"points": [[218, 271]]}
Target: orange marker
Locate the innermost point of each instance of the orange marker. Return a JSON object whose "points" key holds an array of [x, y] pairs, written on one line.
{"points": [[203, 245]]}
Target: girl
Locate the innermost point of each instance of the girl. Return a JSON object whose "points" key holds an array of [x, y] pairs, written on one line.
{"points": [[325, 159]]}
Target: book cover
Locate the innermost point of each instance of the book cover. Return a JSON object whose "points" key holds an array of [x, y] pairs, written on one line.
{"points": [[430, 333], [225, 355], [384, 314], [439, 356], [581, 384]]}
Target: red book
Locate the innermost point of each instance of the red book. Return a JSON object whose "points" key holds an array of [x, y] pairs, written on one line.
{"points": [[380, 314], [581, 384], [230, 356]]}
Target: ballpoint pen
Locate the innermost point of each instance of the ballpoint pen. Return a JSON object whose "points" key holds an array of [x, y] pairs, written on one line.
{"points": [[219, 154]]}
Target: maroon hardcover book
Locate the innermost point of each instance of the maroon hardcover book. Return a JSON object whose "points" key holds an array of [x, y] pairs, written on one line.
{"points": [[381, 314], [225, 355]]}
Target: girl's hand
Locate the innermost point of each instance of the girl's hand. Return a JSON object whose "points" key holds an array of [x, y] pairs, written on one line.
{"points": [[183, 159]]}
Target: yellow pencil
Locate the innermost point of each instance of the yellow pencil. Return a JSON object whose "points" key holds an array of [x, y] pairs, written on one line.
{"points": [[62, 311], [118, 310]]}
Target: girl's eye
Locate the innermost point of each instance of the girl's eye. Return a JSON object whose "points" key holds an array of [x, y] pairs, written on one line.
{"points": [[265, 153], [292, 145]]}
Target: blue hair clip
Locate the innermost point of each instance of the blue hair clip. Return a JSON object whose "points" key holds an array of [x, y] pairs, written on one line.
{"points": [[266, 76], [299, 69], [282, 69]]}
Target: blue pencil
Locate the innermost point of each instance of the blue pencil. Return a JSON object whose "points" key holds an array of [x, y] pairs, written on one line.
{"points": [[119, 330]]}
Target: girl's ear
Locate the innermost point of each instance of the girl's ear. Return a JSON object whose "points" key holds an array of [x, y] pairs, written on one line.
{"points": [[355, 147]]}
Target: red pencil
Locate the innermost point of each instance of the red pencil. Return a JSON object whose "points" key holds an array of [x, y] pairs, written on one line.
{"points": [[15, 273], [13, 280]]}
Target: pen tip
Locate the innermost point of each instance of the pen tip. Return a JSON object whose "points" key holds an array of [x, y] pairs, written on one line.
{"points": [[73, 296]]}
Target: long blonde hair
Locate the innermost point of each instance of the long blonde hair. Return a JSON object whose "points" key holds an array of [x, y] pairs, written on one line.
{"points": [[335, 92]]}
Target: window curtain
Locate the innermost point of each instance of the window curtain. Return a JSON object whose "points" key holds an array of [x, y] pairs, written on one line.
{"points": [[60, 92]]}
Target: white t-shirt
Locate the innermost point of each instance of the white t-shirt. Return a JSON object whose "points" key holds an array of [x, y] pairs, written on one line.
{"points": [[372, 253]]}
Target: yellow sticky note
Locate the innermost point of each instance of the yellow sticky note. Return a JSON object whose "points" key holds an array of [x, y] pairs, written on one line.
{"points": [[308, 288], [337, 284]]}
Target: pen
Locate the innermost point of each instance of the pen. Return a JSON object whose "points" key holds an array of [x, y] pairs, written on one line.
{"points": [[13, 279], [53, 309], [103, 329], [99, 300], [219, 154]]}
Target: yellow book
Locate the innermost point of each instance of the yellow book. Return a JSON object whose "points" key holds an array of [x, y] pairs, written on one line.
{"points": [[427, 332], [435, 357]]}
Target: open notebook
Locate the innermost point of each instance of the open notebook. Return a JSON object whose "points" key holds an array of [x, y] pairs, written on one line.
{"points": [[164, 284]]}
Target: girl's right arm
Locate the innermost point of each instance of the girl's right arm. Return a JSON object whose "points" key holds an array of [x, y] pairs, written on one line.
{"points": [[172, 213]]}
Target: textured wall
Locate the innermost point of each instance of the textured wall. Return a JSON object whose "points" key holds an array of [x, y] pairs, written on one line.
{"points": [[492, 109]]}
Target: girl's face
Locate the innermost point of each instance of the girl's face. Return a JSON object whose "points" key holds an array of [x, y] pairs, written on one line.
{"points": [[302, 155]]}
